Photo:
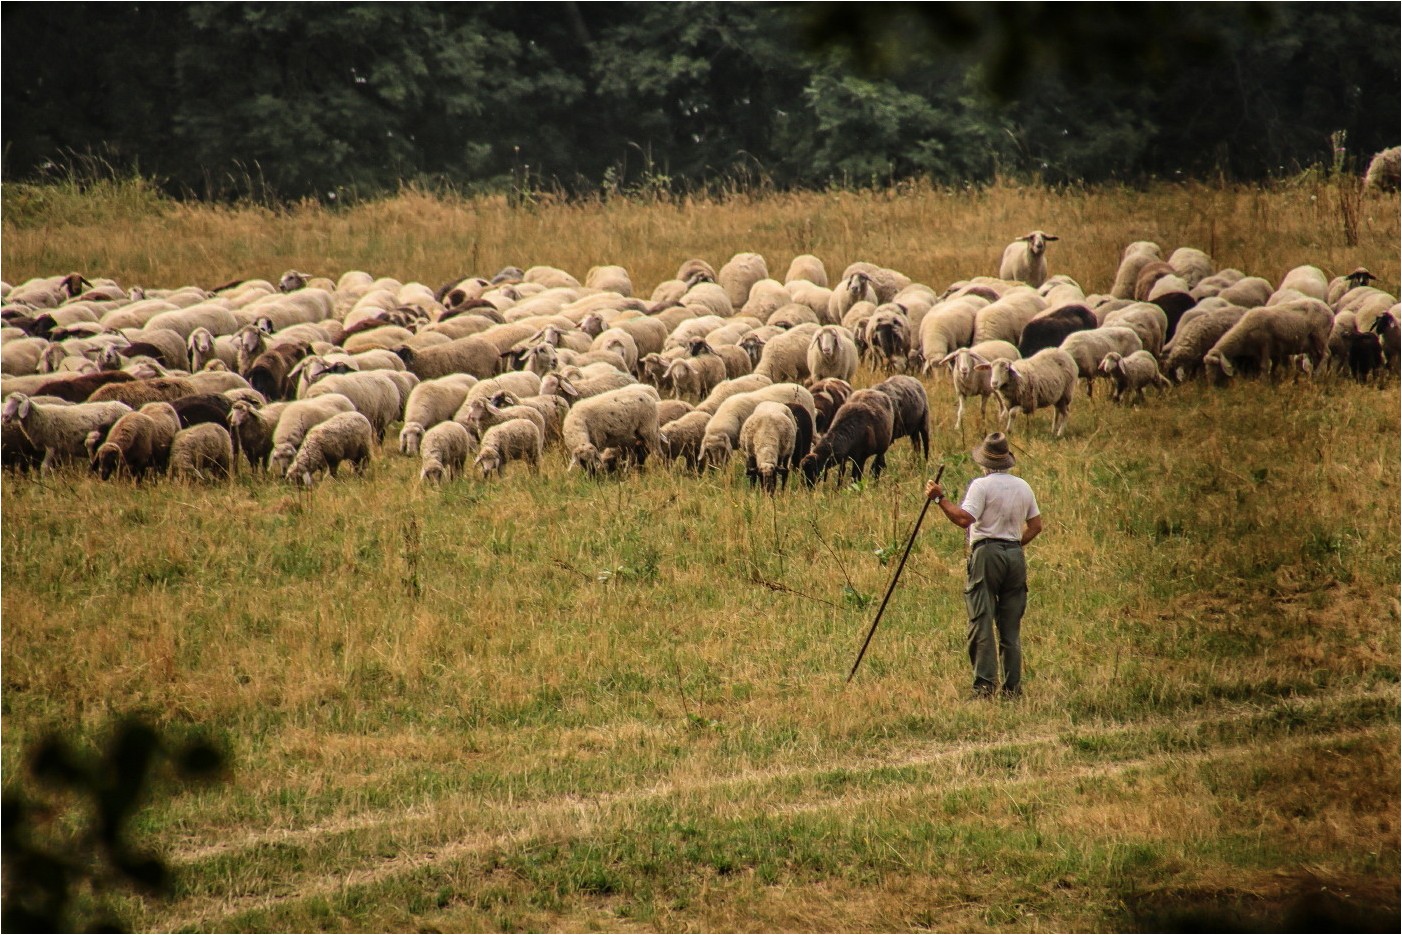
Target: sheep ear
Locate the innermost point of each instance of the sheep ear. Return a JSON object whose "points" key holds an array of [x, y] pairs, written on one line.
{"points": [[1049, 237], [983, 366], [948, 358]]}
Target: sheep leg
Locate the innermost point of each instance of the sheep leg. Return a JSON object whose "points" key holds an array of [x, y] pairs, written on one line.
{"points": [[1059, 419], [959, 413], [878, 465]]}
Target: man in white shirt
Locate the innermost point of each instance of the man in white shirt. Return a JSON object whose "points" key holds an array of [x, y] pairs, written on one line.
{"points": [[1000, 512]]}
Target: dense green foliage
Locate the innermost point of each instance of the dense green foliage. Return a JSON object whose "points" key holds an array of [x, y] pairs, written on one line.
{"points": [[292, 100]]}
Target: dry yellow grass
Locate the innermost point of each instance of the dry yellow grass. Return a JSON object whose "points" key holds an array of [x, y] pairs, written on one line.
{"points": [[554, 704]]}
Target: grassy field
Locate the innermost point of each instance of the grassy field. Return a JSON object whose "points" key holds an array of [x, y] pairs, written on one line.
{"points": [[555, 704]]}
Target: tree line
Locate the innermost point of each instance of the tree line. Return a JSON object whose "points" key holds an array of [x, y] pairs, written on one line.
{"points": [[329, 100]]}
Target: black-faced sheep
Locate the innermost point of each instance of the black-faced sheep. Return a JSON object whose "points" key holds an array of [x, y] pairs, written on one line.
{"points": [[861, 430]]}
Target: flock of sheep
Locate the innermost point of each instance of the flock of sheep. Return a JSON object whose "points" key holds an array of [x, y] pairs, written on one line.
{"points": [[299, 377]]}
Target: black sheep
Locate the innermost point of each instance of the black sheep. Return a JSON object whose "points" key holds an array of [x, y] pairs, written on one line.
{"points": [[271, 373], [1365, 353], [803, 437], [1050, 328], [861, 429], [203, 407], [78, 389], [910, 409]]}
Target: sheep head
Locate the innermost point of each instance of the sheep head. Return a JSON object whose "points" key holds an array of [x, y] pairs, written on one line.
{"points": [[1037, 242], [410, 436], [1111, 363], [292, 280], [587, 458], [487, 461]]}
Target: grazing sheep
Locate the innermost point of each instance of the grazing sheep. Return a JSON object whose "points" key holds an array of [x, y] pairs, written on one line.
{"points": [[970, 380], [60, 431], [203, 408], [767, 438], [202, 452], [828, 397], [695, 377], [732, 387], [444, 452], [22, 357], [518, 383], [888, 334], [791, 315], [682, 436], [910, 410], [1149, 276], [1004, 319], [296, 422], [1183, 356], [860, 430], [723, 430], [1191, 265], [831, 354], [1048, 378], [272, 372], [1025, 260], [1267, 337], [785, 356], [1363, 354], [478, 415], [1144, 319], [948, 326], [620, 342], [344, 437], [133, 443], [474, 354], [1308, 281], [624, 418], [1248, 292], [1341, 285], [1132, 374], [1214, 284], [137, 393], [609, 279], [374, 394], [740, 274], [575, 389], [1386, 326], [1049, 328], [808, 268], [430, 403], [1384, 171], [252, 430], [886, 282], [1088, 348]]}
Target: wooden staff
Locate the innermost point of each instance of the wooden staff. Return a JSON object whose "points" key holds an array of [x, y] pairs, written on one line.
{"points": [[894, 578]]}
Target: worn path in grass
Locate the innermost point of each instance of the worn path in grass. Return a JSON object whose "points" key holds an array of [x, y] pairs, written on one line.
{"points": [[385, 845]]}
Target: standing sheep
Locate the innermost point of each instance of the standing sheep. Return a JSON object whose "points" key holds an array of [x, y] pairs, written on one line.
{"points": [[832, 354], [444, 452], [1266, 338], [740, 274], [430, 403], [1132, 374], [910, 411], [344, 437], [1048, 378], [202, 452], [860, 430], [1087, 349], [971, 380], [59, 431], [623, 418], [1025, 260], [767, 438]]}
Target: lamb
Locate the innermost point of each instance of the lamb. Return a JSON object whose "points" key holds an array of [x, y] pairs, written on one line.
{"points": [[623, 418], [832, 354], [809, 268], [475, 355], [785, 356], [1386, 326], [297, 421], [860, 430], [552, 410], [1195, 337], [1048, 378], [134, 442], [1267, 337], [1132, 374], [1025, 259], [60, 431], [970, 381], [695, 377], [374, 394], [431, 403], [1051, 327], [202, 451], [252, 430], [1004, 319], [1363, 353], [767, 438], [1384, 171], [444, 452], [682, 437], [1088, 348], [344, 437], [910, 410]]}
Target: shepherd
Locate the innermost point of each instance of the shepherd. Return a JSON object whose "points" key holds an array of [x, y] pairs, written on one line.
{"points": [[1001, 516]]}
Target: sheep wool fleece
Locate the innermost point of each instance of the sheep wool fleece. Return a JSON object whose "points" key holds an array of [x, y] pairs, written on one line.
{"points": [[996, 590]]}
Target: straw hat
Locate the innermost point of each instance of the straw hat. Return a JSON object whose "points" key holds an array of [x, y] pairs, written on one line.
{"points": [[994, 454]]}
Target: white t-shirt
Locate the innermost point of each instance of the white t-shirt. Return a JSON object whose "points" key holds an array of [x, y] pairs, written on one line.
{"points": [[1001, 505]]}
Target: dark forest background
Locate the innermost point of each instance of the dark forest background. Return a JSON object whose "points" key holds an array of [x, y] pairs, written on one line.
{"points": [[290, 100]]}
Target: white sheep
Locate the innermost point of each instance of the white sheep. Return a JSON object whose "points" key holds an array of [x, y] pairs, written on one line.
{"points": [[1191, 264], [375, 395], [1194, 338], [1308, 281], [444, 452], [681, 437], [202, 451], [832, 352], [853, 289], [576, 389], [1132, 374], [946, 327], [1025, 260], [767, 439], [1135, 257], [1047, 378], [432, 402], [1004, 319], [1384, 171], [740, 274], [512, 440], [1088, 348], [732, 387], [518, 383], [624, 418], [723, 429], [60, 431], [609, 279], [886, 282], [344, 437], [552, 410], [808, 268], [695, 377], [970, 380], [1146, 320], [785, 356], [297, 420]]}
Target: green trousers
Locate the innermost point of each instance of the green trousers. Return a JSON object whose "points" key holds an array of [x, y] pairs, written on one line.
{"points": [[996, 596]]}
